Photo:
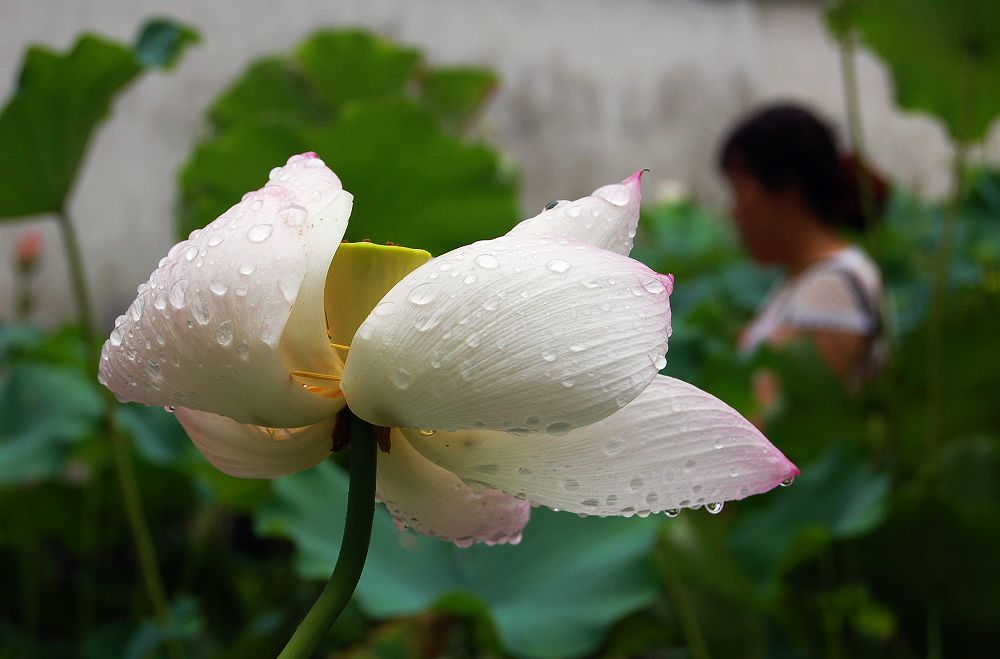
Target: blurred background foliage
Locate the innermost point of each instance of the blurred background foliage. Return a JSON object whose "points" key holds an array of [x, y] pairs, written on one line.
{"points": [[886, 545]]}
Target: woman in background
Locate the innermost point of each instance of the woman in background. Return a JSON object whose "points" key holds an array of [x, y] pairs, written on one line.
{"points": [[793, 196]]}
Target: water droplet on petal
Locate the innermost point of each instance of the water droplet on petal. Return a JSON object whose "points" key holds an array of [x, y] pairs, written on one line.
{"points": [[218, 286], [616, 194], [176, 295], [170, 409], [470, 279], [385, 309], [401, 378], [425, 432], [487, 261], [635, 484], [247, 268], [224, 335], [191, 253], [160, 301], [574, 210], [614, 446], [216, 239], [571, 484], [672, 512], [473, 340], [288, 284], [549, 356], [243, 350], [653, 285], [714, 508], [558, 266], [660, 362], [423, 293], [787, 482], [259, 233]]}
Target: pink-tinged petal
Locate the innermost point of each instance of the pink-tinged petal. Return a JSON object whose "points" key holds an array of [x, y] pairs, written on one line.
{"points": [[673, 447], [231, 311], [426, 498], [539, 334], [248, 451], [607, 218]]}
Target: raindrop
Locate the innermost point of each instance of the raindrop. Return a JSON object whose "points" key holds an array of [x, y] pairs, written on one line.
{"points": [[216, 239], [611, 500], [176, 294], [401, 378], [653, 285], [191, 253], [385, 309], [616, 194], [714, 508], [574, 211], [652, 498], [470, 279], [557, 265], [614, 446], [170, 409], [733, 472], [116, 337], [435, 359], [590, 283], [200, 312], [571, 484], [259, 233], [241, 290], [218, 286], [689, 464], [423, 294], [549, 356], [672, 512], [424, 432], [160, 301], [293, 215], [247, 268], [552, 204], [591, 503], [567, 379], [467, 369], [473, 340], [491, 304], [289, 286], [225, 333], [487, 261], [243, 350], [660, 362], [463, 543], [787, 481], [635, 484], [257, 205], [559, 428]]}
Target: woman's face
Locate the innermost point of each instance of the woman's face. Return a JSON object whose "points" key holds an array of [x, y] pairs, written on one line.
{"points": [[756, 211]]}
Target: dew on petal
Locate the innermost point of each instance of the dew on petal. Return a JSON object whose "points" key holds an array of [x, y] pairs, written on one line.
{"points": [[243, 350], [385, 309], [259, 233], [558, 266], [247, 268], [423, 293], [176, 295], [487, 261], [218, 286], [224, 335]]}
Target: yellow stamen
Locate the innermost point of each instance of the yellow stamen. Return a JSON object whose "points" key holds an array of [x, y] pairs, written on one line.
{"points": [[316, 376]]}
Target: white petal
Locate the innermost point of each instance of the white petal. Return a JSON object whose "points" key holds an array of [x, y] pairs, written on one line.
{"points": [[675, 446], [236, 307], [529, 333], [248, 451], [426, 498], [607, 218]]}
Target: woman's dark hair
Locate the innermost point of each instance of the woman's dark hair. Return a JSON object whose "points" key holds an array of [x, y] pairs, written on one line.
{"points": [[787, 147]]}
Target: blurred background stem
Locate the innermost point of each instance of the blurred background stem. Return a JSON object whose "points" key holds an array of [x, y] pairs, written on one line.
{"points": [[138, 526], [694, 639]]}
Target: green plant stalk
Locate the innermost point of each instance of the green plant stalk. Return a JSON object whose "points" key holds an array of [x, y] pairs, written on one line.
{"points": [[942, 262], [852, 105], [138, 525], [693, 637], [353, 548]]}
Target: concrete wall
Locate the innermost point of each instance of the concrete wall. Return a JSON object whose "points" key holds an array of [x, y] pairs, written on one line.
{"points": [[591, 91]]}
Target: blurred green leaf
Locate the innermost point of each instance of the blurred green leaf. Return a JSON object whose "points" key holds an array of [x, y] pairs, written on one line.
{"points": [[553, 595], [380, 119], [840, 496], [156, 434], [944, 57], [454, 95], [161, 42], [44, 410], [59, 100]]}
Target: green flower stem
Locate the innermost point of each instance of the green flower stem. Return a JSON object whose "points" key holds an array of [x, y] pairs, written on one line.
{"points": [[139, 527], [353, 548], [694, 639]]}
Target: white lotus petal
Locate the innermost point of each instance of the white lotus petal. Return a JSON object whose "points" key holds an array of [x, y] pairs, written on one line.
{"points": [[607, 218], [531, 333], [675, 446], [423, 496], [248, 451], [236, 307]]}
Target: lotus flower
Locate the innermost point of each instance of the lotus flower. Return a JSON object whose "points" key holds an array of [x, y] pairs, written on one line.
{"points": [[515, 370]]}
